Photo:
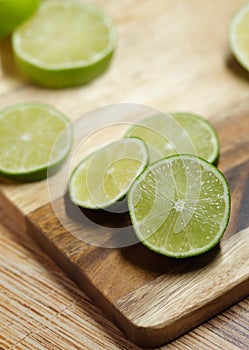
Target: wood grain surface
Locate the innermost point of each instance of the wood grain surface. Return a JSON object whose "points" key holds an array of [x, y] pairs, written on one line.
{"points": [[41, 308], [171, 55]]}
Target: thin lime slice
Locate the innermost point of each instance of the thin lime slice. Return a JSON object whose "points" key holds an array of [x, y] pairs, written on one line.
{"points": [[177, 133], [66, 43], [180, 206], [28, 133], [104, 177], [14, 12], [239, 35]]}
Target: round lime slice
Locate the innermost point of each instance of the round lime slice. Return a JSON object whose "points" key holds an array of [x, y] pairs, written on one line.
{"points": [[14, 12], [180, 206], [239, 35], [177, 133], [104, 177], [66, 43], [28, 133]]}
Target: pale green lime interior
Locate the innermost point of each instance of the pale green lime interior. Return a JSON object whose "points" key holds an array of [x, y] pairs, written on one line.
{"points": [[106, 175], [241, 36], [178, 133], [64, 34], [180, 207], [27, 136]]}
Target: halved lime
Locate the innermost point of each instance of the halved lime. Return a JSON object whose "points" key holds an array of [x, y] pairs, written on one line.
{"points": [[177, 133], [180, 206], [66, 43], [104, 177], [239, 35], [28, 133], [14, 12]]}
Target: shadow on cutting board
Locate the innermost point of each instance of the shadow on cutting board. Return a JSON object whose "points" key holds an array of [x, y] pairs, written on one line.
{"points": [[233, 65], [124, 238]]}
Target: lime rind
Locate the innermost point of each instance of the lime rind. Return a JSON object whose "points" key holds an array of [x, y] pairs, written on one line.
{"points": [[102, 200], [41, 171], [167, 130], [152, 225], [63, 78], [241, 57]]}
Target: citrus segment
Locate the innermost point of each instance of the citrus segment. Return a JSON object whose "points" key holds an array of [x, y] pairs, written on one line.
{"points": [[28, 133], [177, 133], [180, 206], [105, 176], [65, 44]]}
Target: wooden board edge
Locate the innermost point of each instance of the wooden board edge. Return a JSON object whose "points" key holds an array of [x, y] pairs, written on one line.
{"points": [[205, 301], [157, 336], [122, 312], [69, 268], [14, 216]]}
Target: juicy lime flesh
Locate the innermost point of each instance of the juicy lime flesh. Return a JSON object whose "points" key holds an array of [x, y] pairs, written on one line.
{"points": [[177, 133], [106, 175], [240, 35], [64, 35], [180, 206], [27, 136]]}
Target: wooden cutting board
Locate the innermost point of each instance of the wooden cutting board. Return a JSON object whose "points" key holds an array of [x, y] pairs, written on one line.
{"points": [[172, 55]]}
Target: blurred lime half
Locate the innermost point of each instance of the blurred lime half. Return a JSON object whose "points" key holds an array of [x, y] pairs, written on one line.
{"points": [[66, 43], [239, 35], [14, 12]]}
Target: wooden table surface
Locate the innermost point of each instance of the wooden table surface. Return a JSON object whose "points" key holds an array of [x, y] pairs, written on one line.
{"points": [[40, 308], [171, 55]]}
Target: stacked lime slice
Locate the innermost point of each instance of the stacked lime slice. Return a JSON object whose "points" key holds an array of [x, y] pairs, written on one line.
{"points": [[28, 133], [177, 133], [180, 206], [104, 177]]}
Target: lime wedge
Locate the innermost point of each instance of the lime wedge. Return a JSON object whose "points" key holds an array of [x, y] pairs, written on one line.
{"points": [[104, 177], [66, 43], [177, 133], [239, 35], [14, 12], [28, 133], [180, 206]]}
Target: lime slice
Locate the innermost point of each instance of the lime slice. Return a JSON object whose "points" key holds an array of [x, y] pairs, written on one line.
{"points": [[14, 12], [177, 133], [239, 35], [66, 43], [104, 177], [28, 132], [180, 206]]}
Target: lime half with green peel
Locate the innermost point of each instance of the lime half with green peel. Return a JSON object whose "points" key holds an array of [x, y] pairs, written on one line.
{"points": [[104, 177], [14, 12], [180, 206], [66, 43], [239, 35], [28, 135], [177, 133]]}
